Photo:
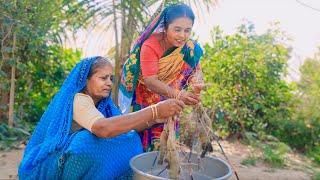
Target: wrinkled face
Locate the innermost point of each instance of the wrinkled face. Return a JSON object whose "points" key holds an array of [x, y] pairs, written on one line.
{"points": [[100, 84], [179, 31]]}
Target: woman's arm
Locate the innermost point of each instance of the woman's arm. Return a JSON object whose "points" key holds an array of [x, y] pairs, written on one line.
{"points": [[157, 86], [138, 121], [150, 53]]}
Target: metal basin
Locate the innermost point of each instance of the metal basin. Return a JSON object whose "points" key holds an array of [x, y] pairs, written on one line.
{"points": [[203, 169]]}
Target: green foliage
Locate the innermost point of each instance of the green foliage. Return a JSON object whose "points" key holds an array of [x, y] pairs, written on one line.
{"points": [[308, 113], [34, 27], [46, 80], [316, 176], [274, 152], [249, 161], [273, 149], [299, 133], [303, 131], [314, 153], [13, 137], [245, 73]]}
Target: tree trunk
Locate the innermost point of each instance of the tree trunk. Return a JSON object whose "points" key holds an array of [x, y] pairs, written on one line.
{"points": [[12, 86], [4, 106], [117, 63], [123, 45], [127, 35], [6, 32]]}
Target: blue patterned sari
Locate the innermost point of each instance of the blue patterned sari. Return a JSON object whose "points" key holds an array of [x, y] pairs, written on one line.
{"points": [[55, 153]]}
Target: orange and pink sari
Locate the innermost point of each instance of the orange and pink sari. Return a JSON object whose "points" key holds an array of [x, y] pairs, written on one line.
{"points": [[174, 69]]}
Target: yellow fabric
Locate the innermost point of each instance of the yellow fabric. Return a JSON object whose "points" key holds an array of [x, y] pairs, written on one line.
{"points": [[170, 66], [84, 112]]}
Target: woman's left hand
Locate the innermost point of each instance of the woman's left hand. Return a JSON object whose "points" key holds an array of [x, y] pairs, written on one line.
{"points": [[196, 82], [188, 97], [197, 88]]}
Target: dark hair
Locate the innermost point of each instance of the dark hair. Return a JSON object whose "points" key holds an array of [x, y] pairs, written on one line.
{"points": [[98, 63], [177, 11]]}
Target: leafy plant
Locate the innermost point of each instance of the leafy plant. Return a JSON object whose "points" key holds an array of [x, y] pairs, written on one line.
{"points": [[249, 161], [29, 29], [273, 154], [12, 137], [302, 132], [316, 176], [314, 153], [244, 71]]}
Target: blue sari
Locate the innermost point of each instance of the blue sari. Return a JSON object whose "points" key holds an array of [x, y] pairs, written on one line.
{"points": [[54, 153]]}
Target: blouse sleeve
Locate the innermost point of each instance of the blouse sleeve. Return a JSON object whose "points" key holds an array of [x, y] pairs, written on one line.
{"points": [[84, 111], [150, 54], [148, 60]]}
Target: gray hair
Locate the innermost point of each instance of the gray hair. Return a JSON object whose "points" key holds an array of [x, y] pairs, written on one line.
{"points": [[98, 63]]}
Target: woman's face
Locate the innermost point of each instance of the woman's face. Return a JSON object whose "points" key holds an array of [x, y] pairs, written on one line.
{"points": [[179, 31], [100, 84]]}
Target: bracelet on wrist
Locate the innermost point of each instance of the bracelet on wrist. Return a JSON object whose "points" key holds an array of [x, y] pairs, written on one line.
{"points": [[153, 116], [156, 111], [153, 113]]}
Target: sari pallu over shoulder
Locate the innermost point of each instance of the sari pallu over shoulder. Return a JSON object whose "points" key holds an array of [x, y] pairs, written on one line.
{"points": [[54, 153]]}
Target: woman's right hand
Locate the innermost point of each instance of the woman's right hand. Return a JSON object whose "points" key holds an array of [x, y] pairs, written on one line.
{"points": [[169, 108], [189, 98]]}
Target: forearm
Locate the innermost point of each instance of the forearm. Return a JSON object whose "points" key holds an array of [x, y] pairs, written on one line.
{"points": [[161, 88], [117, 125], [155, 85]]}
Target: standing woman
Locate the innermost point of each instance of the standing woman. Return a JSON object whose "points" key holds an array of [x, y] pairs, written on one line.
{"points": [[161, 63], [82, 135]]}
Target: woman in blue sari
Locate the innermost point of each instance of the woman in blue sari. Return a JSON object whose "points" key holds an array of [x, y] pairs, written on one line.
{"points": [[82, 135]]}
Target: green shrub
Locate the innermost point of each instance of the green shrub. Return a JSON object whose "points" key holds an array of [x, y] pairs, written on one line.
{"points": [[244, 71], [12, 137], [249, 161], [316, 176], [273, 153], [314, 154]]}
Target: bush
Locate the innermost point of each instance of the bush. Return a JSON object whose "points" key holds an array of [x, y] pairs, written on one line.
{"points": [[249, 161], [303, 131], [12, 137], [244, 71]]}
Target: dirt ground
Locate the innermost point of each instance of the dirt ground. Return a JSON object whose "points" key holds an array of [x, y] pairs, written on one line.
{"points": [[297, 167]]}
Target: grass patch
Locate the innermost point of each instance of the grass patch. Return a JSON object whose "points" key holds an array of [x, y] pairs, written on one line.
{"points": [[314, 154], [316, 176], [273, 153], [250, 161]]}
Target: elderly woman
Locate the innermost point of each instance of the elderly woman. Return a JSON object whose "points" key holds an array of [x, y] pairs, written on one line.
{"points": [[160, 66], [83, 135]]}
